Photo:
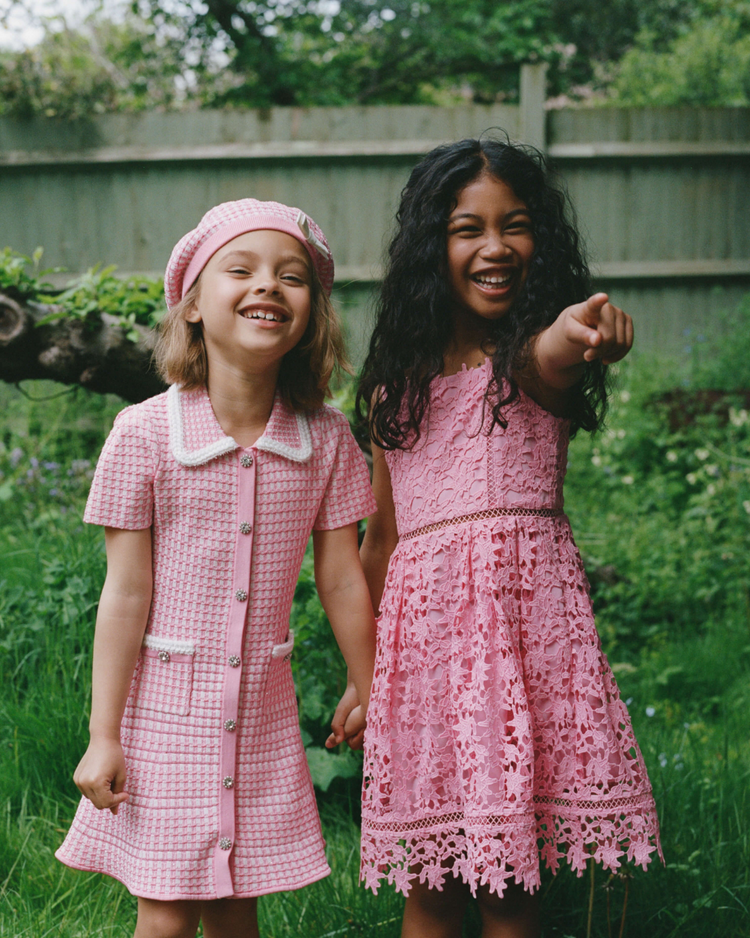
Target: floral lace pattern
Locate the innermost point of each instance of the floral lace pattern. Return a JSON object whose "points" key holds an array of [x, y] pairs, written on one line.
{"points": [[495, 726]]}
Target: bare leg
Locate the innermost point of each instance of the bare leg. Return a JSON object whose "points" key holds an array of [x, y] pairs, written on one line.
{"points": [[432, 913], [516, 915], [157, 919], [230, 918]]}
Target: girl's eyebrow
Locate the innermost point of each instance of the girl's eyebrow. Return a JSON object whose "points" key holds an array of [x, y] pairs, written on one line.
{"points": [[515, 211], [251, 255]]}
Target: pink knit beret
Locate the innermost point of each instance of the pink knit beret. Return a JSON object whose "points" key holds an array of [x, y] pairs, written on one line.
{"points": [[230, 219]]}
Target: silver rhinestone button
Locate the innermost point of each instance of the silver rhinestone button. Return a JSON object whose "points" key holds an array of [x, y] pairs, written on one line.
{"points": [[234, 661], [228, 781], [230, 725], [241, 595], [246, 527], [225, 843], [164, 656], [246, 461]]}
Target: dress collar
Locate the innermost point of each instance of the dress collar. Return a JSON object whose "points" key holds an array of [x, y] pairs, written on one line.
{"points": [[195, 436]]}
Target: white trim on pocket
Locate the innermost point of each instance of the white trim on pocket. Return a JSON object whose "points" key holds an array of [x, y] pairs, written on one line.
{"points": [[283, 651], [173, 645]]}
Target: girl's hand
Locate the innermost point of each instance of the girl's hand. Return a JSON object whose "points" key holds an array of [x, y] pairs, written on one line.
{"points": [[100, 775], [604, 330], [354, 729], [344, 721]]}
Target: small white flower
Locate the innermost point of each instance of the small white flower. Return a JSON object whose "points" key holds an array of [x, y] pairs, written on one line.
{"points": [[627, 480], [692, 478], [702, 454], [620, 434], [671, 456], [712, 470], [710, 489], [746, 506], [738, 417], [650, 711], [624, 396], [596, 460], [663, 760]]}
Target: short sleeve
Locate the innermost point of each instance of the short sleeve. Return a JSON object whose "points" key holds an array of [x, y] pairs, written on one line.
{"points": [[348, 496], [122, 491]]}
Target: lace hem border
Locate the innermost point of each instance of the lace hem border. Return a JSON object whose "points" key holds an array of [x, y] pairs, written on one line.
{"points": [[507, 847]]}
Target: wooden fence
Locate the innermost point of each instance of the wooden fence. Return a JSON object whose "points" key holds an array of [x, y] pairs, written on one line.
{"points": [[663, 196]]}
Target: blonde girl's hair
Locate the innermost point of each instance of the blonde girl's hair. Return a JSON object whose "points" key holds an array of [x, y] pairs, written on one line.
{"points": [[306, 370]]}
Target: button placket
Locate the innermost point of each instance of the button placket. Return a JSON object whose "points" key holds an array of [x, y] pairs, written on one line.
{"points": [[228, 779]]}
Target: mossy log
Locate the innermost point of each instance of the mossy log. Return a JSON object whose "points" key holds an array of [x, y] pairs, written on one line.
{"points": [[99, 356]]}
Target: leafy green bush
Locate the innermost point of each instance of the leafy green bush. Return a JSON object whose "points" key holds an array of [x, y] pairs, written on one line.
{"points": [[706, 65], [660, 501], [135, 301]]}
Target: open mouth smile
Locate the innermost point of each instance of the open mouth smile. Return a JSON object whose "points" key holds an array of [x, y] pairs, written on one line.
{"points": [[494, 283], [265, 315]]}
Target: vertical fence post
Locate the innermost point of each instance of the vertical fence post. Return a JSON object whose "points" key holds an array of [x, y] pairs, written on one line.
{"points": [[533, 87]]}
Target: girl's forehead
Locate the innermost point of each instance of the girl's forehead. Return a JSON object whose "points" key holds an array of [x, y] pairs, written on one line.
{"points": [[488, 190], [267, 244]]}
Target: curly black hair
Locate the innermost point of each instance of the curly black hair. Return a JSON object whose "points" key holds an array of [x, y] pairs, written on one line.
{"points": [[413, 327]]}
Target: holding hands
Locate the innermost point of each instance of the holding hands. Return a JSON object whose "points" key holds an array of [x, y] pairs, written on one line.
{"points": [[349, 719]]}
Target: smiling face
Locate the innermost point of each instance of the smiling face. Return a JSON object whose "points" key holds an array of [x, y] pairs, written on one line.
{"points": [[490, 245], [254, 299]]}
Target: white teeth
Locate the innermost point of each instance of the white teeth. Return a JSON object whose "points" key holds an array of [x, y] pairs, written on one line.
{"points": [[260, 314], [493, 281]]}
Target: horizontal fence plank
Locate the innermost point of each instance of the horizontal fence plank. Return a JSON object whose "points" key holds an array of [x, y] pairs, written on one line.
{"points": [[337, 149], [272, 126], [277, 150], [621, 270], [665, 270], [652, 149]]}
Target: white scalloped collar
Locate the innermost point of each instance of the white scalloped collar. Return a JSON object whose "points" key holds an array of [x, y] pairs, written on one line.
{"points": [[195, 436]]}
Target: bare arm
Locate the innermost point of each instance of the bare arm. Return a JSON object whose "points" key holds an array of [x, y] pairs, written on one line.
{"points": [[120, 624], [344, 596], [581, 333], [379, 543], [381, 535]]}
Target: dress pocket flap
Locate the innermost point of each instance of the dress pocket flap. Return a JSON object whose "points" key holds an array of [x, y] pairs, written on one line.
{"points": [[285, 650]]}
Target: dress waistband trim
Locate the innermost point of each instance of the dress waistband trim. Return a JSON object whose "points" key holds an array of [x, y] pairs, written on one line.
{"points": [[481, 515]]}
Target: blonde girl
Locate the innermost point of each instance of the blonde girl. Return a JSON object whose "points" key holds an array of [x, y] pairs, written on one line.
{"points": [[196, 790]]}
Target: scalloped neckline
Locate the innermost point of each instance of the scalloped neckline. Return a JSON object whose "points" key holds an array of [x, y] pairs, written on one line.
{"points": [[464, 370]]}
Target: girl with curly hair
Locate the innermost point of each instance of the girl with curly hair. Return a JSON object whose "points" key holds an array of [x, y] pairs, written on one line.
{"points": [[495, 729]]}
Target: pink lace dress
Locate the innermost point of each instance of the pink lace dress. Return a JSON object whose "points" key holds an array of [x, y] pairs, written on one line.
{"points": [[495, 728]]}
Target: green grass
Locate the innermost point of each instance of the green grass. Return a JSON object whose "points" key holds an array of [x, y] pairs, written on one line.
{"points": [[668, 557]]}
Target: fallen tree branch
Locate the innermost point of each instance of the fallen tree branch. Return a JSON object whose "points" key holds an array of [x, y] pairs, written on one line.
{"points": [[99, 357]]}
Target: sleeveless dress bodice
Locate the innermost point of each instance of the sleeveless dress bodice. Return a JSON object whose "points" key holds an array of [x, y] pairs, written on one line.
{"points": [[457, 467]]}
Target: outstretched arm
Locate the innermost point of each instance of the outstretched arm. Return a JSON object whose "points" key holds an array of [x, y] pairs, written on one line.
{"points": [[120, 624]]}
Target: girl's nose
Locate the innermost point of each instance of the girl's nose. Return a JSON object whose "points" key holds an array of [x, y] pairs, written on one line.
{"points": [[265, 282], [494, 245]]}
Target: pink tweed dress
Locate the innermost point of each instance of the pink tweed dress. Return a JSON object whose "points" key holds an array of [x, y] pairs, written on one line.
{"points": [[221, 802], [495, 727]]}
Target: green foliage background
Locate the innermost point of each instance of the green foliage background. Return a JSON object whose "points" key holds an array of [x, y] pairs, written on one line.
{"points": [[660, 505], [231, 53]]}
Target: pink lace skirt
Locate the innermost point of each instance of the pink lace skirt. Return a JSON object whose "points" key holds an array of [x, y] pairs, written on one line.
{"points": [[496, 731]]}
